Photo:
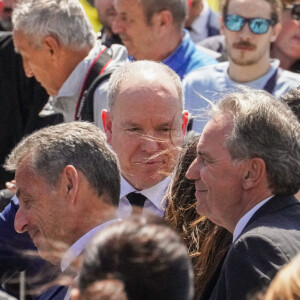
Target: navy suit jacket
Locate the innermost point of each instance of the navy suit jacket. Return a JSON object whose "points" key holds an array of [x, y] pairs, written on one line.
{"points": [[270, 240]]}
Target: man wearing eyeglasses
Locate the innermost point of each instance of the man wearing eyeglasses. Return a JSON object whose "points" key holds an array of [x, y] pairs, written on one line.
{"points": [[249, 27]]}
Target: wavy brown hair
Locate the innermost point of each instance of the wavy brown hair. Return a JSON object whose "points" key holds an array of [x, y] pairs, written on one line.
{"points": [[206, 242]]}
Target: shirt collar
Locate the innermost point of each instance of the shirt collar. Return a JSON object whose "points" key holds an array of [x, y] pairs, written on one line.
{"points": [[80, 244], [246, 218], [155, 193]]}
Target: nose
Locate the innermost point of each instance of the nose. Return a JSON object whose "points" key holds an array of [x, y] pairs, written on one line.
{"points": [[21, 222], [246, 31], [27, 69], [149, 144], [193, 171]]}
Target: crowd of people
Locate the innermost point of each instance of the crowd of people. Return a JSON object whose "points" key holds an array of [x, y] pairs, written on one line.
{"points": [[157, 159]]}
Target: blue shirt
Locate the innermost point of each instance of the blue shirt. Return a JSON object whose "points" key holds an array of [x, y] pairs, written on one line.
{"points": [[187, 57]]}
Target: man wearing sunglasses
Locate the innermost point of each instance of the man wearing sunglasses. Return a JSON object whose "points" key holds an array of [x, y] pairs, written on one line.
{"points": [[249, 27], [287, 46]]}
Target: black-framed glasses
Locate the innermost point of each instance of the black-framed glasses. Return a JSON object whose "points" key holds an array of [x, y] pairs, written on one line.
{"points": [[295, 10], [256, 25]]}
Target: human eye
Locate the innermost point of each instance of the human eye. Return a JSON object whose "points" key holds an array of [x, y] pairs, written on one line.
{"points": [[26, 202], [204, 159]]}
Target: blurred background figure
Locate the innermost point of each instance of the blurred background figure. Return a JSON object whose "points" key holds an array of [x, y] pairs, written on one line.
{"points": [[106, 15], [206, 242], [201, 21], [287, 46], [142, 252], [6, 9]]}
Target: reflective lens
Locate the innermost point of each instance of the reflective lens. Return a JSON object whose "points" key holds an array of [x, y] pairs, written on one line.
{"points": [[256, 25], [295, 13]]}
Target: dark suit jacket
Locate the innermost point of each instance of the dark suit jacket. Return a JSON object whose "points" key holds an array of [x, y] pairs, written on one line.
{"points": [[21, 99], [269, 240], [14, 257]]}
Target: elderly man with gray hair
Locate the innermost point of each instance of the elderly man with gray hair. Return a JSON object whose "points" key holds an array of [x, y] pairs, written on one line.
{"points": [[246, 172], [59, 48]]}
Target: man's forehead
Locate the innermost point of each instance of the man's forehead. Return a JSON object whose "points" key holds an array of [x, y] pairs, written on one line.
{"points": [[251, 6]]}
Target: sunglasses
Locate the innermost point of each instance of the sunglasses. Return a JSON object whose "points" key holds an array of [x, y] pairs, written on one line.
{"points": [[295, 13], [256, 25]]}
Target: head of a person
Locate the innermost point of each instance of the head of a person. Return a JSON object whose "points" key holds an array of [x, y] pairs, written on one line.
{"points": [[249, 27], [288, 41], [106, 12], [145, 254], [67, 180], [6, 13], [249, 150], [195, 8], [145, 122], [292, 99], [52, 36], [147, 27], [286, 284]]}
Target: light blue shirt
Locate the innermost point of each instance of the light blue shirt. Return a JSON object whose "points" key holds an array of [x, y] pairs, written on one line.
{"points": [[212, 83]]}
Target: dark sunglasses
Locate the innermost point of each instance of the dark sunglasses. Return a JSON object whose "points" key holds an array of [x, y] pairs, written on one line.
{"points": [[295, 13], [256, 25]]}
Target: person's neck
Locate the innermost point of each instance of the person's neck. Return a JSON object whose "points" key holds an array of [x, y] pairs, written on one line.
{"points": [[165, 49], [242, 74], [249, 200], [72, 58], [286, 62]]}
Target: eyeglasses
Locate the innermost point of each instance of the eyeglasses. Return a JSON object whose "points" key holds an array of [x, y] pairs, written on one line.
{"points": [[256, 25], [295, 13]]}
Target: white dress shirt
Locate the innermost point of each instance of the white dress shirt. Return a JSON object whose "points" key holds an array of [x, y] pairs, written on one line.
{"points": [[76, 249], [155, 202], [241, 224]]}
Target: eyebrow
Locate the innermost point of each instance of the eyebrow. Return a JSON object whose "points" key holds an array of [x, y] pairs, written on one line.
{"points": [[203, 154]]}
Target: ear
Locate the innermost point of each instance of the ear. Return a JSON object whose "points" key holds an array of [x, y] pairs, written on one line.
{"points": [[185, 119], [107, 124], [162, 20], [275, 32], [70, 182], [222, 26], [254, 173], [52, 45]]}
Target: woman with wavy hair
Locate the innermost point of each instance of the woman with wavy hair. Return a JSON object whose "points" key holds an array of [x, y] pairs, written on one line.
{"points": [[206, 242]]}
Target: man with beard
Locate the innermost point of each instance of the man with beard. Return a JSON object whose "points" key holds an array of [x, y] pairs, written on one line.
{"points": [[106, 15], [249, 27]]}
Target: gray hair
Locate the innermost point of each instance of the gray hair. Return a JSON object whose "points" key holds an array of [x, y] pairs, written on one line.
{"points": [[129, 70], [266, 128], [292, 99], [64, 20], [178, 8], [80, 144]]}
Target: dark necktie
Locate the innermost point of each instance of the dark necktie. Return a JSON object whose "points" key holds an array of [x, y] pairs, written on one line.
{"points": [[136, 199]]}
